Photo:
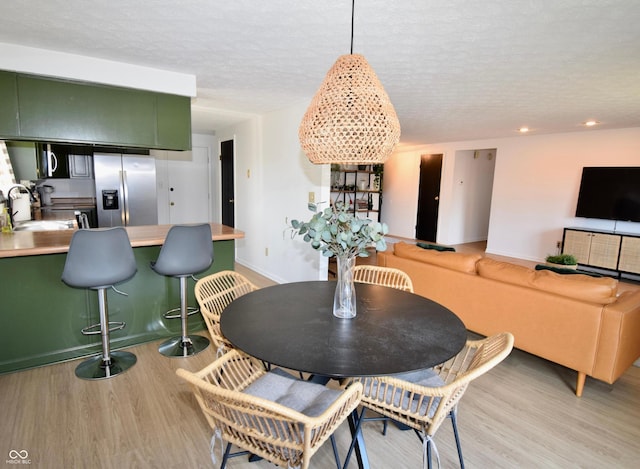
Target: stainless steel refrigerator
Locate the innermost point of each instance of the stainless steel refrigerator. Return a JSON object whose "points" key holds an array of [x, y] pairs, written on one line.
{"points": [[125, 189]]}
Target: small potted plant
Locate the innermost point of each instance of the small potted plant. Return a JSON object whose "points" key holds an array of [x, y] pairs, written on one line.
{"points": [[564, 261]]}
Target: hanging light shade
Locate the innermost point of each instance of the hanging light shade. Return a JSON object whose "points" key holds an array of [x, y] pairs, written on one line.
{"points": [[350, 119]]}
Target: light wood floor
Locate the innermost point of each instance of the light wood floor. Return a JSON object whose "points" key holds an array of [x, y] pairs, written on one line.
{"points": [[523, 414]]}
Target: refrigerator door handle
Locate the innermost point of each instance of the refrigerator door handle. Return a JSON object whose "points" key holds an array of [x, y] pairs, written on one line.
{"points": [[125, 193]]}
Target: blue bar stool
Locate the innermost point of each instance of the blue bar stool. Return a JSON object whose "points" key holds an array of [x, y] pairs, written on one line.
{"points": [[187, 251], [98, 260]]}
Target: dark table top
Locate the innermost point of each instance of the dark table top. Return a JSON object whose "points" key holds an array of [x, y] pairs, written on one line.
{"points": [[292, 325]]}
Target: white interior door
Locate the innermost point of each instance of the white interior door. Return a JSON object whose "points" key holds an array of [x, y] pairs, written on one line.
{"points": [[189, 187]]}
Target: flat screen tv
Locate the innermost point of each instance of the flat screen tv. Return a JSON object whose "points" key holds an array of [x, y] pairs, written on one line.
{"points": [[610, 193]]}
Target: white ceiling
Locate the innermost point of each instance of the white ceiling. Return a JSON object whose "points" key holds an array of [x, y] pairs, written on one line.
{"points": [[454, 69]]}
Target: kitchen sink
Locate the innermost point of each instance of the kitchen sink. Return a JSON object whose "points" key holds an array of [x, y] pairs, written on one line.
{"points": [[44, 225]]}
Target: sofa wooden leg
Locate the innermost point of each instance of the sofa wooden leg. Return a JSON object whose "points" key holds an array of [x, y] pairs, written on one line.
{"points": [[580, 383]]}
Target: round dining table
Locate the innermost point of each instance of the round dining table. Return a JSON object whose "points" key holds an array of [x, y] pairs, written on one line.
{"points": [[292, 325]]}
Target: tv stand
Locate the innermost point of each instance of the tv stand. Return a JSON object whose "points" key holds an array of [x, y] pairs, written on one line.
{"points": [[616, 252]]}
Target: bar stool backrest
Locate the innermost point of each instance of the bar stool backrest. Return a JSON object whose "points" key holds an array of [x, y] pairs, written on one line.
{"points": [[99, 259], [187, 250]]}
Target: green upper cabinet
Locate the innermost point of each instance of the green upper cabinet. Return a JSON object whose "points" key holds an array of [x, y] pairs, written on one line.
{"points": [[8, 104], [46, 109], [75, 112], [174, 122]]}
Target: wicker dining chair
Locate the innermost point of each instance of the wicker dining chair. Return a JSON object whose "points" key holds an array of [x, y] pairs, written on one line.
{"points": [[385, 276], [423, 399], [213, 293], [270, 414]]}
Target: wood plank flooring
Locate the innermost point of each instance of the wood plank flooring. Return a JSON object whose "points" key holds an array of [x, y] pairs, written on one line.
{"points": [[523, 414]]}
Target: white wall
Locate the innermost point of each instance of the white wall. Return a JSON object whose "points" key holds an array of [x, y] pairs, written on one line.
{"points": [[79, 67], [535, 187], [247, 185], [275, 190]]}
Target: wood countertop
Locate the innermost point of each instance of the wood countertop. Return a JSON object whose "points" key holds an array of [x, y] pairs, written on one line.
{"points": [[35, 243]]}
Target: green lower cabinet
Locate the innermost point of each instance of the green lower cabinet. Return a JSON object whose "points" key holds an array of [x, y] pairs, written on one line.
{"points": [[41, 317]]}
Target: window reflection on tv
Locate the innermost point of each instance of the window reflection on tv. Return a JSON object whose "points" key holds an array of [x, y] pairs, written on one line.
{"points": [[610, 193]]}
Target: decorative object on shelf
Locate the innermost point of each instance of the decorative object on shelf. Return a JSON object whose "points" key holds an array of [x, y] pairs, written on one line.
{"points": [[357, 183], [335, 231], [350, 118], [378, 169], [335, 176], [566, 261]]}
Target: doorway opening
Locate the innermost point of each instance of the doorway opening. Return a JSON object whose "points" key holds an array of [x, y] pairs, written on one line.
{"points": [[468, 205], [471, 197]]}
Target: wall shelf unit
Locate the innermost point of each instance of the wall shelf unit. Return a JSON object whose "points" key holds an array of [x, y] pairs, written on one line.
{"points": [[359, 187]]}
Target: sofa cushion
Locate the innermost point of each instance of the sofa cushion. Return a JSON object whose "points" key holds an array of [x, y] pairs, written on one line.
{"points": [[601, 290], [435, 247], [450, 260], [505, 272], [579, 286]]}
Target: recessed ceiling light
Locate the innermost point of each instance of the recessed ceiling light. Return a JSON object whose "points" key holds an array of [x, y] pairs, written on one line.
{"points": [[591, 123], [523, 130]]}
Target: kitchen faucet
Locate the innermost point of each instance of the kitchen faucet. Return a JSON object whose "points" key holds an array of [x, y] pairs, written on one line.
{"points": [[32, 199], [82, 220]]}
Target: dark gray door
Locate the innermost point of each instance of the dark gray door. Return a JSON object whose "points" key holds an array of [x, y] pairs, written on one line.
{"points": [[428, 197], [228, 190]]}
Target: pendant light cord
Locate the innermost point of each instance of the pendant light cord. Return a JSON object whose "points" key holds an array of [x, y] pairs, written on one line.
{"points": [[353, 7]]}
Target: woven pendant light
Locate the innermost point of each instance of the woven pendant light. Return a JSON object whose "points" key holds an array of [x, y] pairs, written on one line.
{"points": [[350, 119]]}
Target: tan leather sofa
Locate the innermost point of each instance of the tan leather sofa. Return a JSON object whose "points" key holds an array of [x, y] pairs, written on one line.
{"points": [[578, 321]]}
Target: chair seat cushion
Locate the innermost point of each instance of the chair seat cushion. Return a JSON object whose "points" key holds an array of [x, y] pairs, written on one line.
{"points": [[310, 399], [427, 377]]}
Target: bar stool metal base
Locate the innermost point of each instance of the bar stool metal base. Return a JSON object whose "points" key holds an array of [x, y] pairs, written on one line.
{"points": [[96, 368], [176, 313], [179, 347]]}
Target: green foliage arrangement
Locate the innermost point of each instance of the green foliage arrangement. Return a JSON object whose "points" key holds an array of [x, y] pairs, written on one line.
{"points": [[562, 259], [338, 232]]}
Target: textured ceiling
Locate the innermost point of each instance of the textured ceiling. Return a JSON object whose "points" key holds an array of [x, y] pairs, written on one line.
{"points": [[455, 70]]}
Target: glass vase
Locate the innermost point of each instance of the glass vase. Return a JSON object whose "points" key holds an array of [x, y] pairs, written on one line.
{"points": [[344, 300]]}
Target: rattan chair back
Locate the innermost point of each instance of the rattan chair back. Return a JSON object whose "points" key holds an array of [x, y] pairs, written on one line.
{"points": [[385, 276], [424, 408], [213, 293], [279, 434]]}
